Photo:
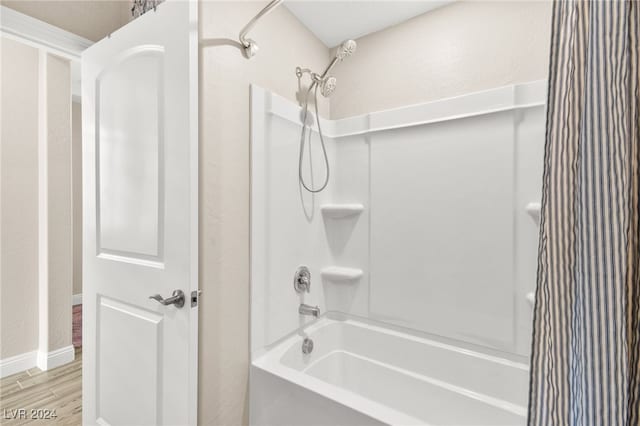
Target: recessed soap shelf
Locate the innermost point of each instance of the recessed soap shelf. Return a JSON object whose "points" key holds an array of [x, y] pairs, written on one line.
{"points": [[337, 211], [531, 298], [337, 273], [533, 210]]}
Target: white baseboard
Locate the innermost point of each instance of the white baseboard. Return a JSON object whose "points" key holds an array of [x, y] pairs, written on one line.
{"points": [[77, 299], [48, 360], [17, 364]]}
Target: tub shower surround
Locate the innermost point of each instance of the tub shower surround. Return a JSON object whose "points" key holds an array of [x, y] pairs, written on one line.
{"points": [[421, 252]]}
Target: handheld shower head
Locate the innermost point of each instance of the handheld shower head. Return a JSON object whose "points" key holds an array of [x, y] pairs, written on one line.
{"points": [[327, 83], [328, 86], [347, 48]]}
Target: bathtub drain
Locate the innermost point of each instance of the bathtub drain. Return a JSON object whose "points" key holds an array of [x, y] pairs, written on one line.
{"points": [[307, 346]]}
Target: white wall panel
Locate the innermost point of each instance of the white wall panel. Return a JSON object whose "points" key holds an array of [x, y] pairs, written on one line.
{"points": [[349, 237], [290, 223], [443, 241], [442, 228]]}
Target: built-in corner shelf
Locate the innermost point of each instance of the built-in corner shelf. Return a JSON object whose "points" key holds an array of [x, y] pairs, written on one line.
{"points": [[533, 210], [337, 273], [337, 211], [531, 298]]}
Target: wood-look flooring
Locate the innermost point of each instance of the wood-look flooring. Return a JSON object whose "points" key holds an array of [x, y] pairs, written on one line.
{"points": [[59, 389]]}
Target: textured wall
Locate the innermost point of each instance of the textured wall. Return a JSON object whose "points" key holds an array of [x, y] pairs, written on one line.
{"points": [[76, 164], [457, 49], [78, 17], [225, 76], [21, 242], [18, 199], [60, 234]]}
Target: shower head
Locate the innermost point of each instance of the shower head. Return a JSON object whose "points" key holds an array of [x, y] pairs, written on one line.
{"points": [[347, 48], [328, 86], [324, 82]]}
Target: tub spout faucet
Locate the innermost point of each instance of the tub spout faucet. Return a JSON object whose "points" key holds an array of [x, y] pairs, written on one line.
{"points": [[305, 309]]}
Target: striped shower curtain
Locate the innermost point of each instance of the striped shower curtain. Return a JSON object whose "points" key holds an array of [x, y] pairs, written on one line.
{"points": [[586, 331]]}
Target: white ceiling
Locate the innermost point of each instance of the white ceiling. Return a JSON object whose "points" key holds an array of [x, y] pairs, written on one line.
{"points": [[335, 21]]}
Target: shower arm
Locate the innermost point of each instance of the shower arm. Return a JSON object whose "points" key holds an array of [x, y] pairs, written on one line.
{"points": [[329, 68], [250, 46]]}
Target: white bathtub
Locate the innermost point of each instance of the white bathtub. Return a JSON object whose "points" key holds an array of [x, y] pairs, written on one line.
{"points": [[361, 373]]}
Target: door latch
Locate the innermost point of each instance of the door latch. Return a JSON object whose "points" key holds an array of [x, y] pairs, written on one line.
{"points": [[195, 295]]}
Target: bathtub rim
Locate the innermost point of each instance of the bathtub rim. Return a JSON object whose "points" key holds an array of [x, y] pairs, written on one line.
{"points": [[270, 361], [489, 354]]}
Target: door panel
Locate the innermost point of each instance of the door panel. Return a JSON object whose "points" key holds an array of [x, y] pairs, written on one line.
{"points": [[131, 165], [139, 102], [118, 370]]}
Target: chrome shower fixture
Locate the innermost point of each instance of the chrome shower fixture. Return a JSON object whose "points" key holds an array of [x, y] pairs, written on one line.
{"points": [[249, 45], [327, 85], [347, 48]]}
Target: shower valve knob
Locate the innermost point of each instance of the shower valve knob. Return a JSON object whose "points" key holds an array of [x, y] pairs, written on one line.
{"points": [[302, 280]]}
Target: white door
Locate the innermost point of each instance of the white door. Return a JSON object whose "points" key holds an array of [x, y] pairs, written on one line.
{"points": [[139, 117]]}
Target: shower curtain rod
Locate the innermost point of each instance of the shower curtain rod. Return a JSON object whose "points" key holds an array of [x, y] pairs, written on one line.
{"points": [[250, 46]]}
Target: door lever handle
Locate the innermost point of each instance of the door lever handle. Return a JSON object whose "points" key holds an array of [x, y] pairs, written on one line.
{"points": [[176, 299]]}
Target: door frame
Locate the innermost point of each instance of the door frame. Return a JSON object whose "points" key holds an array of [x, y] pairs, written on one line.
{"points": [[194, 142]]}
